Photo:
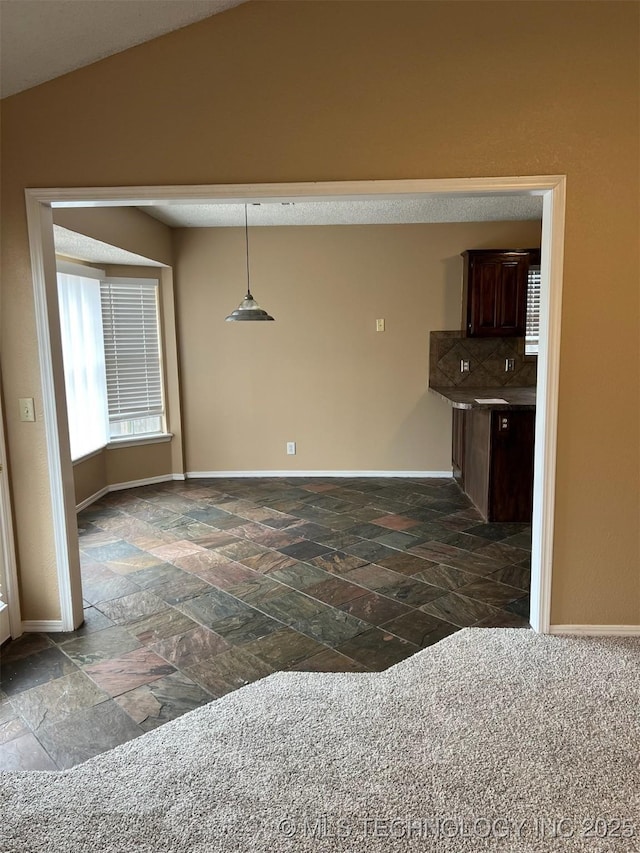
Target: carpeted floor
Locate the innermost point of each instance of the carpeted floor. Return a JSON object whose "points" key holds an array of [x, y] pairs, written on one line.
{"points": [[493, 739]]}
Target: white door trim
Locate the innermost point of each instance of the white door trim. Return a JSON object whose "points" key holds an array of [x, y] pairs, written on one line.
{"points": [[43, 270], [310, 191], [551, 187], [546, 431], [8, 569]]}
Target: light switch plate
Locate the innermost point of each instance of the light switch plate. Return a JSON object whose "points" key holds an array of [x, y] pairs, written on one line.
{"points": [[27, 409], [379, 325]]}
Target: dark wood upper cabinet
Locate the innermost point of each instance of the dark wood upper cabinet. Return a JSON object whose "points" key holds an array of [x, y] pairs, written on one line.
{"points": [[494, 301]]}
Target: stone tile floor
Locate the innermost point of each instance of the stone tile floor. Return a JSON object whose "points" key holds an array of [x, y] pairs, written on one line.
{"points": [[195, 589]]}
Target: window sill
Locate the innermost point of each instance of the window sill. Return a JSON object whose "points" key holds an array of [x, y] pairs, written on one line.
{"points": [[87, 456], [136, 441]]}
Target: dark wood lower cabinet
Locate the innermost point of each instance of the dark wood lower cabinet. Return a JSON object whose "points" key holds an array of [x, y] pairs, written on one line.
{"points": [[496, 461], [457, 446]]}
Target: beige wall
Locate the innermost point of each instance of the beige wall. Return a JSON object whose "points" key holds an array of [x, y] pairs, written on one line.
{"points": [[114, 466], [125, 227], [89, 476], [140, 462], [351, 398], [332, 91]]}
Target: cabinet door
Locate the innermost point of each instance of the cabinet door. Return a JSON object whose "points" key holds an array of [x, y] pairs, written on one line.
{"points": [[511, 466], [457, 444], [496, 293], [477, 457]]}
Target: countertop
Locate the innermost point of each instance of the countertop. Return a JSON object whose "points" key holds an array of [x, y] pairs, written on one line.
{"points": [[467, 398]]}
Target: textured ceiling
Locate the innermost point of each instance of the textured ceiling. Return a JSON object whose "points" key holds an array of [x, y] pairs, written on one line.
{"points": [[78, 247], [369, 212], [42, 39], [429, 209]]}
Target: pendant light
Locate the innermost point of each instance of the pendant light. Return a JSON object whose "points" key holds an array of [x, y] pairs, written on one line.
{"points": [[248, 308]]}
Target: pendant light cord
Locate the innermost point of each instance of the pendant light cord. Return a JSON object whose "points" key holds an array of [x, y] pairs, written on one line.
{"points": [[246, 243]]}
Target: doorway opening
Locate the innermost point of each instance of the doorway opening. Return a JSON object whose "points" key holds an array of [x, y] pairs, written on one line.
{"points": [[40, 222]]}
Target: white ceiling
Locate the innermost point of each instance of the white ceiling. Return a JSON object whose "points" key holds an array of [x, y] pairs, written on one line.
{"points": [[429, 209], [79, 247], [349, 212], [43, 39]]}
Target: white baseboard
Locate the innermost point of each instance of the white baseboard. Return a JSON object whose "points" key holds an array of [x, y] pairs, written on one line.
{"points": [[92, 499], [195, 475], [597, 630], [42, 626], [410, 474], [147, 481], [131, 484]]}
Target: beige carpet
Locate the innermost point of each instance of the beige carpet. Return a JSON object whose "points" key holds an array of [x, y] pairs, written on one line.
{"points": [[491, 740]]}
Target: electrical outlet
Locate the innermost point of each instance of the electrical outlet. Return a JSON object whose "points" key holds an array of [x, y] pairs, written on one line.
{"points": [[291, 448], [27, 409], [509, 365], [379, 325], [465, 365]]}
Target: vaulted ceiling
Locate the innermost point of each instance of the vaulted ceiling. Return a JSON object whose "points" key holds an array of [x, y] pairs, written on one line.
{"points": [[43, 39]]}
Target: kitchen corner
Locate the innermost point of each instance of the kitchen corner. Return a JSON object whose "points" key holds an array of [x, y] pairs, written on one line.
{"points": [[485, 374], [492, 398], [493, 422]]}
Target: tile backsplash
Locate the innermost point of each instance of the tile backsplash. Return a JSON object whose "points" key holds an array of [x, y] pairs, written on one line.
{"points": [[486, 358]]}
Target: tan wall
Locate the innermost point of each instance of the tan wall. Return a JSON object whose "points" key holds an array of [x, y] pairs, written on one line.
{"points": [[116, 465], [68, 260], [351, 398], [125, 227], [127, 464], [332, 91], [89, 476]]}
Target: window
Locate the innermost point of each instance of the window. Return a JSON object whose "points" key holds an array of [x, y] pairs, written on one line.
{"points": [[112, 359], [84, 365], [132, 356], [532, 332]]}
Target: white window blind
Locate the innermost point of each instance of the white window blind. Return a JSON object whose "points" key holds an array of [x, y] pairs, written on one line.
{"points": [[84, 363], [532, 333], [132, 355]]}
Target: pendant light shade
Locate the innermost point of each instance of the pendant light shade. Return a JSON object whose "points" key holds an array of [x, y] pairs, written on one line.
{"points": [[248, 308]]}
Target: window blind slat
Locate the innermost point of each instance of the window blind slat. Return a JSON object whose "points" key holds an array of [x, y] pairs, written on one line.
{"points": [[532, 332], [132, 349]]}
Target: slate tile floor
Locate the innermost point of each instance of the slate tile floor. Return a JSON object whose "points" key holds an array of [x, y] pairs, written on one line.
{"points": [[194, 589]]}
